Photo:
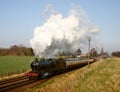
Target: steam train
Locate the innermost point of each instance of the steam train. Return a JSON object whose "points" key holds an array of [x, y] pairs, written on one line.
{"points": [[43, 68]]}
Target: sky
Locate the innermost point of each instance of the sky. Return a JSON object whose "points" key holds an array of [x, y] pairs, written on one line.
{"points": [[19, 18]]}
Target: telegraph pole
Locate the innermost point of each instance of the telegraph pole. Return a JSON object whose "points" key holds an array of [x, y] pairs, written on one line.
{"points": [[89, 39]]}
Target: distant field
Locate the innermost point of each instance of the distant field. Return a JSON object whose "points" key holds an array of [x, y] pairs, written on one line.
{"points": [[14, 64]]}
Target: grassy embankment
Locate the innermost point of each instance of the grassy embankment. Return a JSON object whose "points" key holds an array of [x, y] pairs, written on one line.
{"points": [[102, 76], [14, 64]]}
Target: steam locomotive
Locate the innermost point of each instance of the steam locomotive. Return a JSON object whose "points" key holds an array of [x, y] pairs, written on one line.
{"points": [[43, 68]]}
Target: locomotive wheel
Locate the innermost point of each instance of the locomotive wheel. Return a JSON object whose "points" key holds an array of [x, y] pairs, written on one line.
{"points": [[30, 78], [36, 78], [33, 78]]}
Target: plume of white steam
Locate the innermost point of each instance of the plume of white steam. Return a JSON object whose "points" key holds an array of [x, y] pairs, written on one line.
{"points": [[60, 33]]}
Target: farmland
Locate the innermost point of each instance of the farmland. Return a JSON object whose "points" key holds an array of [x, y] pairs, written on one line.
{"points": [[14, 64]]}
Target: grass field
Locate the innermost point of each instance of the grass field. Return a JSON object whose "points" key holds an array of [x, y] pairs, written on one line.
{"points": [[14, 64], [104, 78], [101, 76]]}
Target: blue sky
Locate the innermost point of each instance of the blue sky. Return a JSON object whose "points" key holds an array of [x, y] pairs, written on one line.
{"points": [[18, 18]]}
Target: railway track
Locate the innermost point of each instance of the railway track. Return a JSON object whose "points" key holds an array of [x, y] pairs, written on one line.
{"points": [[18, 84], [11, 80], [14, 83]]}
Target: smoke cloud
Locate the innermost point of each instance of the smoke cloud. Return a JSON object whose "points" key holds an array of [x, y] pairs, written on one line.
{"points": [[62, 33]]}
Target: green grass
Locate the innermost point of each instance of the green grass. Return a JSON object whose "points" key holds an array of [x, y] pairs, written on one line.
{"points": [[14, 64], [104, 78]]}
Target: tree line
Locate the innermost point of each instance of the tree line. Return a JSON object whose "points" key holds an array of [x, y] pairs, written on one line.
{"points": [[16, 50], [116, 53], [21, 50]]}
